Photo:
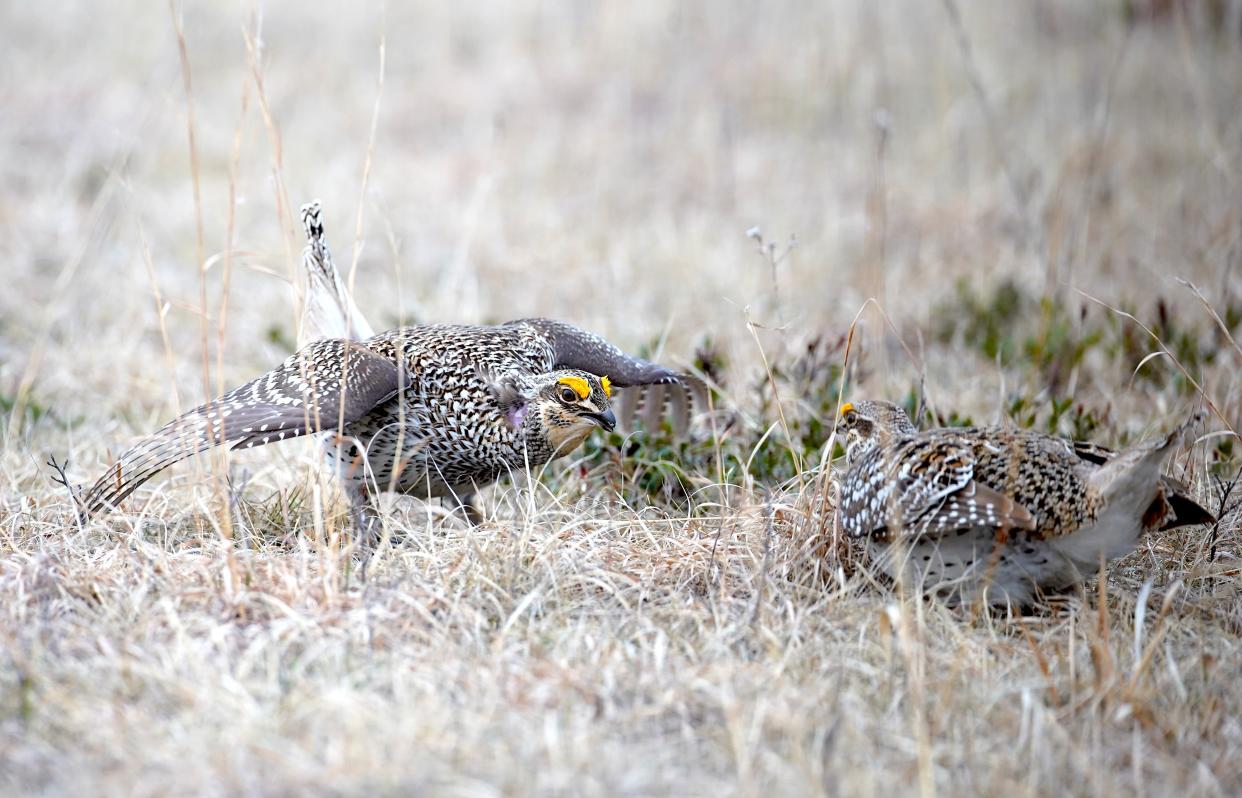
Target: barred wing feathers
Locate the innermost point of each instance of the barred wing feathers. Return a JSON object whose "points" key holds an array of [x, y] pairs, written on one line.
{"points": [[924, 486], [324, 386]]}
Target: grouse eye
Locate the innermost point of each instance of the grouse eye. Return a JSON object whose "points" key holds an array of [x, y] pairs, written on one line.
{"points": [[568, 396], [851, 417]]}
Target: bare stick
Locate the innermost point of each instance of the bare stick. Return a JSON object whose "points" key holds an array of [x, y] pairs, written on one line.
{"points": [[192, 138], [366, 165]]}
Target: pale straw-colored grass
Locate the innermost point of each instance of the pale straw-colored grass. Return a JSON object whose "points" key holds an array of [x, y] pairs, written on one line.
{"points": [[600, 165]]}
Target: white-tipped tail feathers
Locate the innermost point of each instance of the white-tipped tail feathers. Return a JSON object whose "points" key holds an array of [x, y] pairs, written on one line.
{"points": [[329, 310]]}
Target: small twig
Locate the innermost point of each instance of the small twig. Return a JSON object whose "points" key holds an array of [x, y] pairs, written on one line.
{"points": [[62, 478], [877, 209], [366, 164], [773, 256], [230, 227], [253, 39], [713, 566], [769, 530], [200, 245], [1223, 509]]}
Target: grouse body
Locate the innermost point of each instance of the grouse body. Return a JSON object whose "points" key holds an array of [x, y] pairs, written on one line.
{"points": [[429, 410], [999, 514]]}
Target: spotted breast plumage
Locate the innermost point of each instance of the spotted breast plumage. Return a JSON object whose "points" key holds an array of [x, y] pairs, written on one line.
{"points": [[999, 514]]}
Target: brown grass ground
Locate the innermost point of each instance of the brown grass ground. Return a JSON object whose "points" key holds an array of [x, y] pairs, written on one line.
{"points": [[600, 165]]}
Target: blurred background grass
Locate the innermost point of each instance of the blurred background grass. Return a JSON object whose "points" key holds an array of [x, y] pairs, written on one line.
{"points": [[602, 164]]}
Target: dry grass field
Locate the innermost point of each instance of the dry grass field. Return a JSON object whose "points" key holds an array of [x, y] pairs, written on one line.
{"points": [[1044, 199]]}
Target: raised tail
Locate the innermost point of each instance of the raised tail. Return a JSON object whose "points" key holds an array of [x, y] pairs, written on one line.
{"points": [[1143, 460], [329, 311], [1131, 491], [1176, 506]]}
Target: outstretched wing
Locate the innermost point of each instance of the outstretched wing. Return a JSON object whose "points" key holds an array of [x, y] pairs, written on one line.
{"points": [[673, 394], [923, 486], [575, 348], [324, 386]]}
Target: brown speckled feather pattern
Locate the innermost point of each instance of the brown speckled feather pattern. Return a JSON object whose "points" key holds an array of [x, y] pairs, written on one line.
{"points": [[415, 409], [928, 484], [999, 513], [447, 434]]}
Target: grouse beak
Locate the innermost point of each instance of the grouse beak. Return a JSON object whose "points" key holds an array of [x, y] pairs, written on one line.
{"points": [[606, 419]]}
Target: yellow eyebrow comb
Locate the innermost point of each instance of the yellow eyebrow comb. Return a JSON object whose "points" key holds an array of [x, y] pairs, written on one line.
{"points": [[579, 385]]}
